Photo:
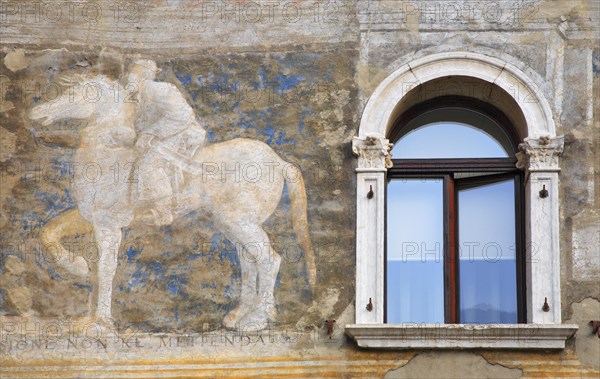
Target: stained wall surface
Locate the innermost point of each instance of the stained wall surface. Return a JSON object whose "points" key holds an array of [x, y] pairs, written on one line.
{"points": [[167, 167]]}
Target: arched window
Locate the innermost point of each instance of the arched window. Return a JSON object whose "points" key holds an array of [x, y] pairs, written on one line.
{"points": [[456, 160], [454, 230]]}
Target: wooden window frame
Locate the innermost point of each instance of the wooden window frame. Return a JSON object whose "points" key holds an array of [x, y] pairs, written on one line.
{"points": [[445, 169]]}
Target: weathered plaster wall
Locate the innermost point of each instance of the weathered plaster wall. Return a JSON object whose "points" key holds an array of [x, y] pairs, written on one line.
{"points": [[294, 75]]}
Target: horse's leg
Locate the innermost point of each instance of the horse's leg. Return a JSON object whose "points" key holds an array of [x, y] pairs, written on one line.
{"points": [[268, 267], [258, 261], [239, 236], [108, 241], [68, 223], [248, 292]]}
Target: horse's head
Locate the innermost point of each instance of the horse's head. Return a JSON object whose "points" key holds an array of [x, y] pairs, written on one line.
{"points": [[80, 97]]}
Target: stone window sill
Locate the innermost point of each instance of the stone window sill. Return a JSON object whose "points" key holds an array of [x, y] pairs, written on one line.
{"points": [[461, 336]]}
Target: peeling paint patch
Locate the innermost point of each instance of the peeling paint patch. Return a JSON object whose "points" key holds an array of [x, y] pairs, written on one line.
{"points": [[16, 60], [586, 245], [587, 344], [452, 365]]}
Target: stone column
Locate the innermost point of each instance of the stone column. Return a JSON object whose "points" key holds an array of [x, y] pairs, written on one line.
{"points": [[374, 159], [539, 158]]}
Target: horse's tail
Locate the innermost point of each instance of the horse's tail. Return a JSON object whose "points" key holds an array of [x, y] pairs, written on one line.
{"points": [[297, 194]]}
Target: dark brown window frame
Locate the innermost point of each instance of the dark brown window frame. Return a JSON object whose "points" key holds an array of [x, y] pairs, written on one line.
{"points": [[503, 168]]}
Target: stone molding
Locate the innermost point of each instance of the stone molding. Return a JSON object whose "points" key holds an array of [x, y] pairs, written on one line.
{"points": [[461, 336]]}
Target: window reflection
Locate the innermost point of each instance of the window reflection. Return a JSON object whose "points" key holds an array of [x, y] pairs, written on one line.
{"points": [[447, 140], [486, 218], [471, 208], [415, 264]]}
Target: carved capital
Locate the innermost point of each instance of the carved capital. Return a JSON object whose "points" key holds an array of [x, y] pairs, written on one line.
{"points": [[539, 155], [373, 153]]}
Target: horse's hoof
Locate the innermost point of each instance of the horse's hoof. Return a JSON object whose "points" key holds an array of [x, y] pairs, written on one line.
{"points": [[258, 319], [231, 320], [90, 325], [105, 324], [229, 323], [78, 268]]}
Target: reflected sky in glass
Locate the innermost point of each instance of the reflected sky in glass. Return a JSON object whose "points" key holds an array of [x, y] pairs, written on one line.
{"points": [[415, 286], [447, 140], [487, 257], [486, 232]]}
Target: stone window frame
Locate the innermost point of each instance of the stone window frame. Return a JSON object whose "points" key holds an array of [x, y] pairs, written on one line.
{"points": [[538, 156]]}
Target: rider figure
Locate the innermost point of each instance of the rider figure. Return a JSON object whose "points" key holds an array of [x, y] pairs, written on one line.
{"points": [[168, 135]]}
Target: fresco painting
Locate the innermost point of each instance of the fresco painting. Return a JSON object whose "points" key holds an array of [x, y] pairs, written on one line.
{"points": [[152, 188]]}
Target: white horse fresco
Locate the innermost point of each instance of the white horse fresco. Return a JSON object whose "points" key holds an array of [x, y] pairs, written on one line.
{"points": [[166, 152]]}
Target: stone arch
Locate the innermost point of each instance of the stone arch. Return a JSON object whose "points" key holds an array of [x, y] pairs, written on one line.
{"points": [[382, 108]]}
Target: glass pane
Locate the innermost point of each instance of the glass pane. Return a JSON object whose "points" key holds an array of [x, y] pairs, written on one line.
{"points": [[447, 140], [486, 223], [415, 267]]}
